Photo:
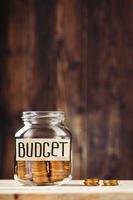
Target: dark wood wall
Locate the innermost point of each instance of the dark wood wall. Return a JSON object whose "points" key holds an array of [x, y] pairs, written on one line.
{"points": [[75, 56]]}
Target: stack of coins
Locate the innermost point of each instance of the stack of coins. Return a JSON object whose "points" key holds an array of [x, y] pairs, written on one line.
{"points": [[57, 171], [110, 182], [21, 169], [43, 172], [91, 182], [39, 172], [67, 168]]}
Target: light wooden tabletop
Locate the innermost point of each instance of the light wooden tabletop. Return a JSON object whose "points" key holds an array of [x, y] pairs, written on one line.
{"points": [[12, 190]]}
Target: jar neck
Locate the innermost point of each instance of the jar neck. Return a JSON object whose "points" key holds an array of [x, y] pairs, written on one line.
{"points": [[43, 118]]}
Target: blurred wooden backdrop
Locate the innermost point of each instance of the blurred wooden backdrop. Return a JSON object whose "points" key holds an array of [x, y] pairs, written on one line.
{"points": [[76, 56]]}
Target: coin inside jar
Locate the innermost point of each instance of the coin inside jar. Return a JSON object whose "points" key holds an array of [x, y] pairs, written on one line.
{"points": [[91, 182], [21, 169], [43, 149], [110, 182]]}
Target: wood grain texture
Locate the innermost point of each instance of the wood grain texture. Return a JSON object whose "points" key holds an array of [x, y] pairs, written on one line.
{"points": [[68, 67], [11, 189], [15, 86], [4, 53], [69, 196], [107, 52], [74, 56]]}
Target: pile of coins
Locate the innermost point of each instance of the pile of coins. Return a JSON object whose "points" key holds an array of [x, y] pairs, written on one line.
{"points": [[58, 170], [21, 169], [43, 172], [91, 182], [96, 182], [110, 182], [39, 172]]}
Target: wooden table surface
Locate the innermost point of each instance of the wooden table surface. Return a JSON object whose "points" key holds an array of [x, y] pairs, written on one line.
{"points": [[12, 190]]}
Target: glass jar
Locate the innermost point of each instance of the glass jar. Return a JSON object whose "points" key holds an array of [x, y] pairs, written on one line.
{"points": [[43, 149]]}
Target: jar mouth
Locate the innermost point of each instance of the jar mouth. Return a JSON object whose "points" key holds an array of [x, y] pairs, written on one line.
{"points": [[34, 115]]}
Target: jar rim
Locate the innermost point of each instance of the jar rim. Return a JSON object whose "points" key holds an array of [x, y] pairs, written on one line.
{"points": [[42, 114]]}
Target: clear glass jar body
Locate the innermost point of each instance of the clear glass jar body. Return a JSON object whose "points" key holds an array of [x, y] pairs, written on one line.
{"points": [[43, 149]]}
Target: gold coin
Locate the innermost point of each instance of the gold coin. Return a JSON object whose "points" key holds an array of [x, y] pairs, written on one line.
{"points": [[110, 182], [39, 169], [91, 182], [21, 175], [21, 163], [38, 163], [40, 173], [58, 171], [56, 178], [40, 180], [21, 169], [56, 164]]}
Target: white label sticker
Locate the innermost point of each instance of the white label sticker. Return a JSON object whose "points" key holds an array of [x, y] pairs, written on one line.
{"points": [[39, 149]]}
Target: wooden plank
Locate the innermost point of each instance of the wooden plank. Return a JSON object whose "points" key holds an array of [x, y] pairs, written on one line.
{"points": [[68, 66], [4, 53], [20, 38], [109, 57], [68, 196], [30, 71], [102, 135], [10, 189], [44, 95], [124, 55]]}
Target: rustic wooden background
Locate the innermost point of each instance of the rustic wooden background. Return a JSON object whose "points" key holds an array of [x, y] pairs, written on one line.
{"points": [[76, 56]]}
